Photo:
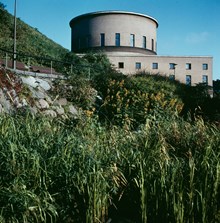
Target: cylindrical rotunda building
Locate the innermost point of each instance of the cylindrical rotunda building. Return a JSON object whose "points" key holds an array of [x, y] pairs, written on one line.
{"points": [[114, 31], [129, 40]]}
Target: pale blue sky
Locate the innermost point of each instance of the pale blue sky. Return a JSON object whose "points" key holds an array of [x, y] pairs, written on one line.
{"points": [[186, 27]]}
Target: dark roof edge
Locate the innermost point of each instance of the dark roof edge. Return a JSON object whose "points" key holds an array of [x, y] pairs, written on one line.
{"points": [[112, 12]]}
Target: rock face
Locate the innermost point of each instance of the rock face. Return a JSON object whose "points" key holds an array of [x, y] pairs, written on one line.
{"points": [[34, 93], [36, 82]]}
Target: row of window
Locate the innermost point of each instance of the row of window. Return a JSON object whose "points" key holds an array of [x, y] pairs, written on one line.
{"points": [[189, 66], [85, 42], [172, 76], [172, 66], [189, 79], [132, 41]]}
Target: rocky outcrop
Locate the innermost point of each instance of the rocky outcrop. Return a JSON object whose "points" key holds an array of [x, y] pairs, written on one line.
{"points": [[33, 93]]}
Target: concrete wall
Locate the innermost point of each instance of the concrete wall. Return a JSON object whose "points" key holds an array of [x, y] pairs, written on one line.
{"points": [[86, 34], [86, 30], [196, 72]]}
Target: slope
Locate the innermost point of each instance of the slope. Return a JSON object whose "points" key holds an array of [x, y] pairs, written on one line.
{"points": [[29, 40]]}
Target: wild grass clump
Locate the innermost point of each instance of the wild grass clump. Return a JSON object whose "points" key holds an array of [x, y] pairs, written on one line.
{"points": [[55, 171], [178, 188]]}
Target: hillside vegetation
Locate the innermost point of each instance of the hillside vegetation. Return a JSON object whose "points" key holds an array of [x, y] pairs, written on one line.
{"points": [[140, 153], [29, 40], [143, 149], [66, 171]]}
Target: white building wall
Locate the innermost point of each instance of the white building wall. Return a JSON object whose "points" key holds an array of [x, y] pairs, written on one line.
{"points": [[90, 26], [129, 61]]}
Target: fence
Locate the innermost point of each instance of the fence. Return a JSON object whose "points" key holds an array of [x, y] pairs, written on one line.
{"points": [[28, 63]]}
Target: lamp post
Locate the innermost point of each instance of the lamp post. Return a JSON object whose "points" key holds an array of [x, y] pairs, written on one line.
{"points": [[15, 26]]}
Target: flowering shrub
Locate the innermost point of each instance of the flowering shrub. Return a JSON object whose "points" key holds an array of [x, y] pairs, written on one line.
{"points": [[126, 104]]}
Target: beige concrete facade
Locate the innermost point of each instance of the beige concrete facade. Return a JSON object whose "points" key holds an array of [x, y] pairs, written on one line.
{"points": [[110, 30], [181, 68], [130, 42]]}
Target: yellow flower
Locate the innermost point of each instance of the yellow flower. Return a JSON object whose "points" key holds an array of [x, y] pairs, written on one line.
{"points": [[88, 113], [121, 83]]}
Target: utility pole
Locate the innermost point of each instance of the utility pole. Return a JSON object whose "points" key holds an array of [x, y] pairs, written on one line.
{"points": [[15, 27]]}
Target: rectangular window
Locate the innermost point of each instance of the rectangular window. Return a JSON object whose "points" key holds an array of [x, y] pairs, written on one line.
{"points": [[144, 43], [188, 66], [102, 39], [205, 79], [152, 44], [188, 80], [121, 65], [117, 39], [138, 65], [205, 66], [172, 77], [172, 66], [132, 40], [154, 65]]}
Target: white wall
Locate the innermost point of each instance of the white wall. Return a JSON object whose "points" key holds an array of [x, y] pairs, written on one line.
{"points": [[180, 71]]}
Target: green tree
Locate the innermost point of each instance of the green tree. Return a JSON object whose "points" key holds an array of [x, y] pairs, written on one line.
{"points": [[2, 6], [216, 88]]}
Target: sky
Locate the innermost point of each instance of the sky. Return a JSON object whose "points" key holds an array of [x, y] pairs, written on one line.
{"points": [[186, 27]]}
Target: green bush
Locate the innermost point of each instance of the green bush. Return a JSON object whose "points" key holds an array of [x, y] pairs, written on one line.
{"points": [[132, 99], [77, 90]]}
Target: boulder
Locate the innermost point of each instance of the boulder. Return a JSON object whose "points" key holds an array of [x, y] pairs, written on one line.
{"points": [[73, 111], [1, 109], [42, 104], [51, 113], [30, 81], [61, 102], [43, 84], [36, 93], [59, 110]]}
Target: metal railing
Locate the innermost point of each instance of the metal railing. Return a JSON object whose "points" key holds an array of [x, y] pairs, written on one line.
{"points": [[30, 61], [55, 67]]}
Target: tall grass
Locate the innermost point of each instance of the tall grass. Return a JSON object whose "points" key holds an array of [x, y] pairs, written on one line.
{"points": [[63, 171]]}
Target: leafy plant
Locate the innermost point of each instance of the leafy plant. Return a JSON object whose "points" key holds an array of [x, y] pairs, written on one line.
{"points": [[131, 100]]}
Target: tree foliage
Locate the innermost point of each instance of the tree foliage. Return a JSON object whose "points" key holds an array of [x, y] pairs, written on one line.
{"points": [[2, 6]]}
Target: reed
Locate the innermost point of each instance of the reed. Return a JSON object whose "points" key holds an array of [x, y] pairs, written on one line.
{"points": [[63, 171]]}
